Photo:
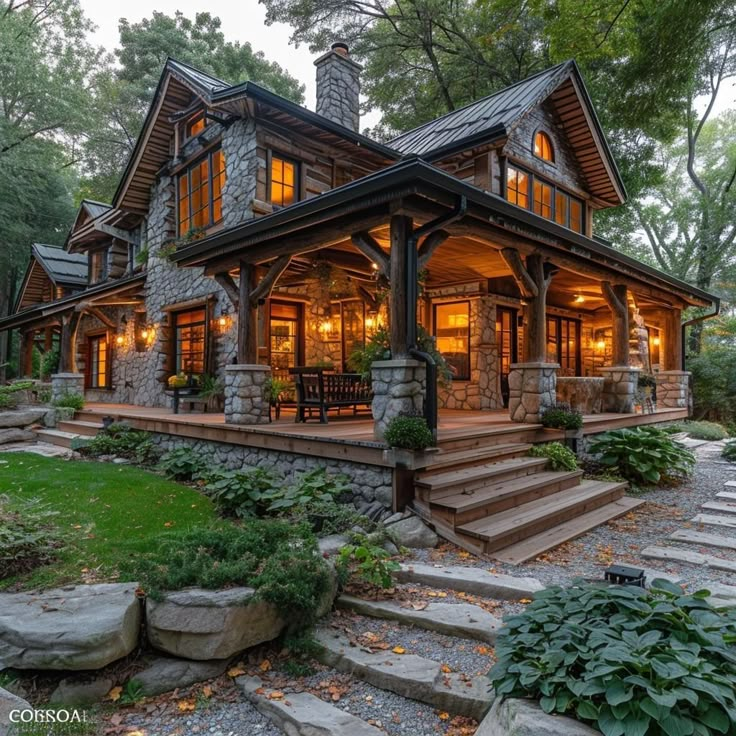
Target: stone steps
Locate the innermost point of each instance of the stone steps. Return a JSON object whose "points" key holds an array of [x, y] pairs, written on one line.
{"points": [[407, 675], [303, 714], [703, 539], [676, 554], [80, 427], [461, 619]]}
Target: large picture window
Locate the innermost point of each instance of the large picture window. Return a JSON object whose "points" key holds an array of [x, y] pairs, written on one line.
{"points": [[200, 193], [97, 362], [283, 181], [190, 333], [285, 332], [563, 344], [548, 200], [452, 330]]}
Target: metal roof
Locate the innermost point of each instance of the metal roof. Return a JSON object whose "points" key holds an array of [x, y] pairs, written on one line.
{"points": [[61, 267], [497, 112], [95, 209], [206, 82]]}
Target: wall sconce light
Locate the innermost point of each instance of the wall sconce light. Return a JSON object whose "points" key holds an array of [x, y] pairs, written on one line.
{"points": [[223, 321], [656, 341], [579, 299], [148, 334], [601, 345], [120, 340], [325, 327]]}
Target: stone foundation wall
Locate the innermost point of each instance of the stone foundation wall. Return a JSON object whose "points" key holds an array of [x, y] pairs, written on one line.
{"points": [[66, 383], [619, 388], [246, 401], [673, 389], [532, 389], [370, 482], [399, 387]]}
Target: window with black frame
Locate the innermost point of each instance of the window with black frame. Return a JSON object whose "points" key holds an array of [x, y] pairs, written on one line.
{"points": [[199, 193], [353, 329], [190, 333], [97, 361], [563, 344], [452, 332]]}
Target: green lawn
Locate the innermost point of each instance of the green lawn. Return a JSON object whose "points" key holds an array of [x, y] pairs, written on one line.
{"points": [[104, 510]]}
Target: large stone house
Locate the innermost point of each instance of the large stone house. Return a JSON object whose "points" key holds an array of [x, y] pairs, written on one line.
{"points": [[250, 236]]}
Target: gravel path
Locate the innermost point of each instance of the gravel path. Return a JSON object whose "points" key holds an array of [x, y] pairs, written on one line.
{"points": [[621, 541]]}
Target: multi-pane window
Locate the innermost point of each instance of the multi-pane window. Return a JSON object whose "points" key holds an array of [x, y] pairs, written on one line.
{"points": [[517, 186], [452, 330], [284, 329], [543, 199], [196, 125], [200, 193], [543, 146], [353, 328], [190, 331], [547, 200], [563, 344], [97, 363], [283, 179]]}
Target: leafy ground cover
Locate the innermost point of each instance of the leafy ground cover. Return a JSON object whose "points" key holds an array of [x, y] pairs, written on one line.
{"points": [[103, 511]]}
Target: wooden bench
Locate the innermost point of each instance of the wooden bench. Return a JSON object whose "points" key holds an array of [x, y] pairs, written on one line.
{"points": [[318, 389]]}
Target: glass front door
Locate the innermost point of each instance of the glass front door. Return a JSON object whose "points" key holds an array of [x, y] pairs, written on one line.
{"points": [[284, 341], [507, 341]]}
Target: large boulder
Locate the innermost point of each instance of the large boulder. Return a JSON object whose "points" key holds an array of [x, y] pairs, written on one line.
{"points": [[412, 532], [210, 624], [22, 417], [72, 691], [16, 434], [166, 673], [9, 703], [517, 717], [83, 627]]}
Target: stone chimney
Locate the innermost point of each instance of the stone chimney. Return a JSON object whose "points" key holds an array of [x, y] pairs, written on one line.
{"points": [[338, 87]]}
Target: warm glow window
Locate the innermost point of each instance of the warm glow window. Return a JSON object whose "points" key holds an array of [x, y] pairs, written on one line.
{"points": [[353, 329], [196, 125], [97, 362], [283, 181], [452, 330], [200, 193], [546, 200], [517, 187], [284, 330], [543, 147], [563, 344], [190, 332]]}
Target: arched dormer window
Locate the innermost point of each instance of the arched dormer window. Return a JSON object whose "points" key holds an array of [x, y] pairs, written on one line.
{"points": [[543, 146]]}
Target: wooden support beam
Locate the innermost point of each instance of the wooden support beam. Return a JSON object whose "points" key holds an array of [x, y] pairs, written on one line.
{"points": [[616, 297], [367, 297], [671, 351], [401, 229], [26, 353], [102, 317], [266, 284], [227, 282], [247, 316], [527, 287], [67, 345], [429, 246], [119, 233], [368, 246]]}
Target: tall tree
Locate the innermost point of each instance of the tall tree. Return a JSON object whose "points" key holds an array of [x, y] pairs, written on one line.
{"points": [[124, 91]]}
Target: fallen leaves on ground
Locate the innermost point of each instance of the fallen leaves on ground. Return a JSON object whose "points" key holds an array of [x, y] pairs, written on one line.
{"points": [[186, 705], [236, 671], [115, 694]]}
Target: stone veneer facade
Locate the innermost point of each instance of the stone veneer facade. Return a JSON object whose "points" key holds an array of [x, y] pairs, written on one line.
{"points": [[532, 390], [673, 389], [619, 388], [338, 88], [246, 400]]}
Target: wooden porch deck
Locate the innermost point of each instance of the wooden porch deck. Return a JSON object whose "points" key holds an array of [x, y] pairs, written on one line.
{"points": [[348, 436]]}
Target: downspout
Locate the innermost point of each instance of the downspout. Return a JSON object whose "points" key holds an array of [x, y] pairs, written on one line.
{"points": [[695, 321], [412, 294]]}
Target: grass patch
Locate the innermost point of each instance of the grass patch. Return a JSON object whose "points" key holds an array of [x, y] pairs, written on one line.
{"points": [[104, 512]]}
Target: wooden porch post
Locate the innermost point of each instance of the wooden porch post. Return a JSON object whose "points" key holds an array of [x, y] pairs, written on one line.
{"points": [[48, 339], [26, 353], [533, 280], [401, 229], [672, 349], [616, 297], [67, 345], [247, 317]]}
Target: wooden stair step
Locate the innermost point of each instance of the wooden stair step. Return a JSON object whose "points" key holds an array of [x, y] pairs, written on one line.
{"points": [[509, 490], [464, 440], [56, 437], [459, 458], [532, 547], [521, 522], [456, 481], [79, 426]]}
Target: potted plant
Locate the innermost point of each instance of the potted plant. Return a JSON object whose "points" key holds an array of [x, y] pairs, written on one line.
{"points": [[212, 390], [562, 416], [277, 391], [178, 380]]}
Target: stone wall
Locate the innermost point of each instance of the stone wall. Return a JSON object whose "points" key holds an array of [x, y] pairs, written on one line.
{"points": [[483, 390], [246, 399], [532, 389], [619, 388], [369, 482], [673, 389], [338, 89]]}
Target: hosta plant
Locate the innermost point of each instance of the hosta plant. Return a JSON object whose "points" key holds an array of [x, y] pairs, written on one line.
{"points": [[182, 463], [241, 492], [644, 455], [559, 456], [628, 661]]}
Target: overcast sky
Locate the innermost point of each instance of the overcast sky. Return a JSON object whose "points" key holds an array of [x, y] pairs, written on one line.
{"points": [[243, 20]]}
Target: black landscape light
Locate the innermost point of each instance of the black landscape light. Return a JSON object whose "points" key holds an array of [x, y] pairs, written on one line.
{"points": [[622, 575]]}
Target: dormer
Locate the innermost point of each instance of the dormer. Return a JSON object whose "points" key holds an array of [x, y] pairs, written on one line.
{"points": [[52, 274]]}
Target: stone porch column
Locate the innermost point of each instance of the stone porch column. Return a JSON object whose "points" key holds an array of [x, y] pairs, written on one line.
{"points": [[532, 389], [673, 389], [66, 383], [399, 387], [245, 394], [619, 388]]}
